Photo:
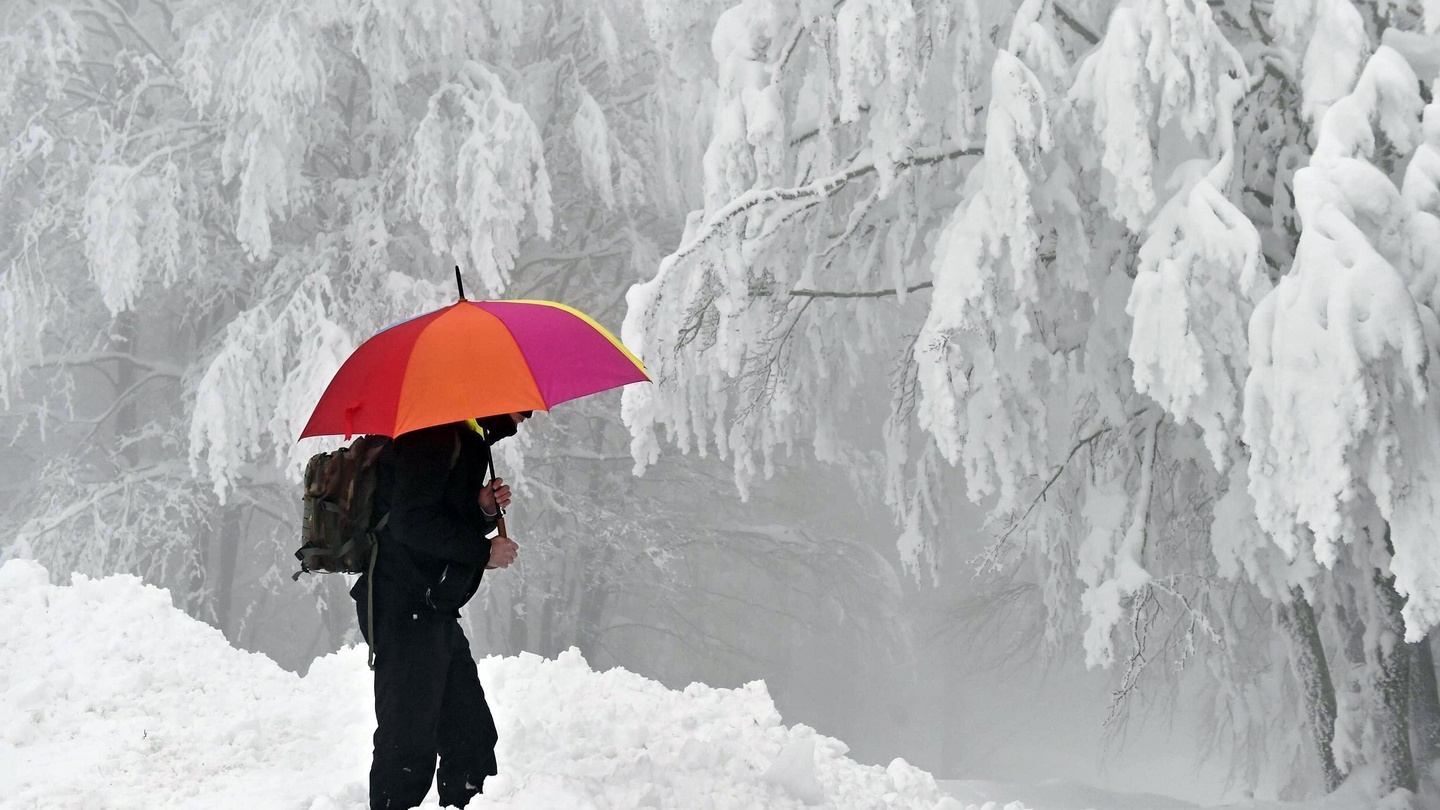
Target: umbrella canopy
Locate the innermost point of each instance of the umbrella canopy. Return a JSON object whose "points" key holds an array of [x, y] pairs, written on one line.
{"points": [[468, 360]]}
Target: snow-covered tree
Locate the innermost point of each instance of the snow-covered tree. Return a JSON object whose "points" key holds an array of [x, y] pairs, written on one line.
{"points": [[1341, 420], [221, 199], [93, 197], [207, 205], [1052, 232]]}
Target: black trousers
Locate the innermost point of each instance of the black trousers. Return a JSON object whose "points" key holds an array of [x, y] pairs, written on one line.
{"points": [[428, 702]]}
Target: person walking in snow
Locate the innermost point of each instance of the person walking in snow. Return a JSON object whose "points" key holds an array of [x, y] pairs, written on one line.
{"points": [[434, 548]]}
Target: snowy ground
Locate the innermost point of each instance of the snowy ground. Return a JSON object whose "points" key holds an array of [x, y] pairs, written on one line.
{"points": [[111, 698], [1357, 794]]}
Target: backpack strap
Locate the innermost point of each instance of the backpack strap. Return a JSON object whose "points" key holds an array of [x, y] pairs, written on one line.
{"points": [[305, 555], [370, 584], [370, 596]]}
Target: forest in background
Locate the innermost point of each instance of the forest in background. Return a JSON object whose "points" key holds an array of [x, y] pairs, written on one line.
{"points": [[1148, 284]]}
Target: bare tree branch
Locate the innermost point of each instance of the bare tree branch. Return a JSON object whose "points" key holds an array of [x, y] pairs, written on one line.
{"points": [[790, 45], [1054, 476], [130, 24], [1075, 24], [155, 367], [119, 403]]}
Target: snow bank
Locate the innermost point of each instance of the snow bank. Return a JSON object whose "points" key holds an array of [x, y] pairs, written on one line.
{"points": [[112, 698]]}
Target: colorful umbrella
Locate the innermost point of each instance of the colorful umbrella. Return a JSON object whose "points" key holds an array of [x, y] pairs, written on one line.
{"points": [[468, 360]]}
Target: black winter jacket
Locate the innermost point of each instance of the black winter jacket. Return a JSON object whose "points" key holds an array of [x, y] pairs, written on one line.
{"points": [[433, 549]]}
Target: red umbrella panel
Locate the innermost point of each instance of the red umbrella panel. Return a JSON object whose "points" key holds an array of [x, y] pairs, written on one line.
{"points": [[468, 360]]}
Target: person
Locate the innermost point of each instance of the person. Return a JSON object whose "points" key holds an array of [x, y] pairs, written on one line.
{"points": [[433, 551]]}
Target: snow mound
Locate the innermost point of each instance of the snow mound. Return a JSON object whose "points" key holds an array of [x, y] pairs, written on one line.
{"points": [[112, 698]]}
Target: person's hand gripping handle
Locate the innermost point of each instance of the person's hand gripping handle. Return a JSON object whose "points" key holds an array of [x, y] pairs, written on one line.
{"points": [[494, 498]]}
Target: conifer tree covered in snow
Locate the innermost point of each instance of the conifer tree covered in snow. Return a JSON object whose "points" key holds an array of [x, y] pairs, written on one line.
{"points": [[1158, 276]]}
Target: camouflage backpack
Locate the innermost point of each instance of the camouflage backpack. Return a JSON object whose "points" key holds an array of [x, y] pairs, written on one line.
{"points": [[337, 530]]}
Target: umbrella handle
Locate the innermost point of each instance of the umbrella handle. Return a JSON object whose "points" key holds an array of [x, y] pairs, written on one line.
{"points": [[499, 511]]}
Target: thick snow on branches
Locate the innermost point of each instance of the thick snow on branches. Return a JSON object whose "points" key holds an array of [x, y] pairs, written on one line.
{"points": [[1341, 413], [1156, 278], [985, 273], [207, 205], [476, 172], [1169, 310], [1198, 279], [273, 365], [1160, 61], [135, 231]]}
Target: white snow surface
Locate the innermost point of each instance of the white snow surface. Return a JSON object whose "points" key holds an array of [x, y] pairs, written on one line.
{"points": [[112, 698]]}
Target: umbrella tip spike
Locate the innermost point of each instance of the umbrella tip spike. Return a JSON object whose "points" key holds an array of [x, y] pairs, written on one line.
{"points": [[459, 284]]}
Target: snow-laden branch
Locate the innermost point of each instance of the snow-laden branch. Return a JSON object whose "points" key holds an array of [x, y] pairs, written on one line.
{"points": [[791, 43], [1339, 407], [580, 455], [823, 188], [799, 293], [813, 131], [1111, 559], [1055, 476], [43, 526]]}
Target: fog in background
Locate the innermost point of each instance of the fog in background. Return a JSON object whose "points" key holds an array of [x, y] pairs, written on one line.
{"points": [[1005, 391]]}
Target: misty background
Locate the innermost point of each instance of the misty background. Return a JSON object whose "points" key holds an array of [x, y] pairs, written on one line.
{"points": [[953, 436]]}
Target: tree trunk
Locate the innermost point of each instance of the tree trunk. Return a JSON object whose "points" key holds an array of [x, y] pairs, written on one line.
{"points": [[231, 529], [1313, 672], [1392, 688], [124, 339], [518, 630], [1424, 705], [591, 603], [547, 634]]}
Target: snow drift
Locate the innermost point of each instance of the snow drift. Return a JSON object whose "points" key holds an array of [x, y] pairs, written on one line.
{"points": [[112, 698]]}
